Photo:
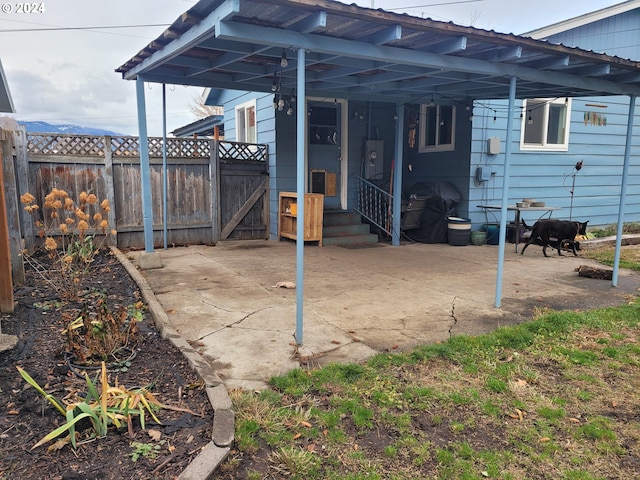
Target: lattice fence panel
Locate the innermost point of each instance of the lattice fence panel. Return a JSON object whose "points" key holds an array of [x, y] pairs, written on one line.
{"points": [[125, 146], [52, 144], [230, 151], [181, 147]]}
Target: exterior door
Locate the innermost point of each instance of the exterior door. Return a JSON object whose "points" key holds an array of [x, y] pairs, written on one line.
{"points": [[324, 153]]}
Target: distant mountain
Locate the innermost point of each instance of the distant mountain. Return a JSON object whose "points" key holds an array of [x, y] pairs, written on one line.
{"points": [[44, 127]]}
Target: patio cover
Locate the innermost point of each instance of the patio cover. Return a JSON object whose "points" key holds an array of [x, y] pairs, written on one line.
{"points": [[334, 50], [6, 103]]}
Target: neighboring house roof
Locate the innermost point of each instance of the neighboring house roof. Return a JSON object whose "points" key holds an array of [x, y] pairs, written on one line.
{"points": [[364, 54], [6, 103], [203, 127], [582, 20]]}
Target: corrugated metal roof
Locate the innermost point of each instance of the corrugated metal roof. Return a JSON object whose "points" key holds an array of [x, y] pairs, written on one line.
{"points": [[582, 20], [365, 54]]}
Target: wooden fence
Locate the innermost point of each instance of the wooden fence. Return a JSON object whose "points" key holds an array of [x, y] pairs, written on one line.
{"points": [[199, 203]]}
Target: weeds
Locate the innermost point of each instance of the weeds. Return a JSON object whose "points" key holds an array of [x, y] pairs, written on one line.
{"points": [[98, 334], [145, 450]]}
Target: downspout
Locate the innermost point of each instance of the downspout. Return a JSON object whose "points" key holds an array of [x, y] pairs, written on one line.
{"points": [[623, 190], [505, 191], [301, 118], [164, 163], [145, 175], [397, 177]]}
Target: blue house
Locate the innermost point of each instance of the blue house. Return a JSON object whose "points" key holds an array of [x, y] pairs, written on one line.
{"points": [[368, 106], [567, 151], [557, 134]]}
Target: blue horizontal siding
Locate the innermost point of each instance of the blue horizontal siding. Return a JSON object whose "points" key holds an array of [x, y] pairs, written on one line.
{"points": [[548, 176]]}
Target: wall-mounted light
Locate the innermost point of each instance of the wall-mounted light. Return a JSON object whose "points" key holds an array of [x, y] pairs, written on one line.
{"points": [[530, 119], [284, 63]]}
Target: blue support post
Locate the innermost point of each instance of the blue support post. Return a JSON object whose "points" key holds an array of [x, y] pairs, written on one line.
{"points": [[164, 163], [505, 190], [397, 177], [145, 175], [301, 119], [623, 190]]}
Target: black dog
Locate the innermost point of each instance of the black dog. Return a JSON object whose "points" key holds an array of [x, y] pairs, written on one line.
{"points": [[562, 230]]}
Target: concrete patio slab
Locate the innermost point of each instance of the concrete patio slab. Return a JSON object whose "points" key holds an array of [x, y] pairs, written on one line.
{"points": [[357, 302]]}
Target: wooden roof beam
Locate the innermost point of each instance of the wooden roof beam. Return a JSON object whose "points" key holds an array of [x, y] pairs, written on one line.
{"points": [[311, 23], [383, 37]]}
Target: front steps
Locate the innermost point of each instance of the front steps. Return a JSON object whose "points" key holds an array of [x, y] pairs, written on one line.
{"points": [[340, 227]]}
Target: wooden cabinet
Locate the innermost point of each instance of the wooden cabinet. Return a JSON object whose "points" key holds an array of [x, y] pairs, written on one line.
{"points": [[288, 216]]}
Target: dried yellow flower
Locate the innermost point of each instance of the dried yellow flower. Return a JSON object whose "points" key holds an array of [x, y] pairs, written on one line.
{"points": [[48, 201], [114, 232], [54, 214], [68, 204], [64, 229], [67, 259], [83, 197], [50, 244], [104, 224], [83, 226], [62, 194], [92, 199], [97, 217], [69, 221], [81, 215], [105, 206], [57, 204], [28, 198]]}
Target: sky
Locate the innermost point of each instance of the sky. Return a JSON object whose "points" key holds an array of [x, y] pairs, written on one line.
{"points": [[60, 59]]}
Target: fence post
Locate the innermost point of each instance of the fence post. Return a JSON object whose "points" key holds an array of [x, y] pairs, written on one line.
{"points": [[267, 196], [109, 187], [214, 166], [12, 205], [22, 176], [6, 281]]}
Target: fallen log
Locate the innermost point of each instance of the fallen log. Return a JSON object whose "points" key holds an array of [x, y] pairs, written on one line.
{"points": [[594, 272]]}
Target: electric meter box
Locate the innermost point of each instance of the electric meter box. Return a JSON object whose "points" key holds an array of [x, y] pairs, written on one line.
{"points": [[493, 145], [373, 159]]}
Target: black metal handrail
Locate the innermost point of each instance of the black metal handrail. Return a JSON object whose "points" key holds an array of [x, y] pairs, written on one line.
{"points": [[375, 204]]}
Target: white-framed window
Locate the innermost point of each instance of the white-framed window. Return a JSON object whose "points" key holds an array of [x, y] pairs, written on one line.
{"points": [[246, 122], [545, 124], [437, 128]]}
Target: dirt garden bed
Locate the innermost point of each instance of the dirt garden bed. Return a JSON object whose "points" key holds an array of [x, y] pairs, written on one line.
{"points": [[161, 451]]}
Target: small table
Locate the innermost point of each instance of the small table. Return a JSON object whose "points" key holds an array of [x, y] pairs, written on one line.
{"points": [[546, 209]]}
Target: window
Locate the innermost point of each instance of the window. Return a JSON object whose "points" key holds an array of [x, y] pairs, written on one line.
{"points": [[545, 124], [323, 125], [246, 122], [437, 128]]}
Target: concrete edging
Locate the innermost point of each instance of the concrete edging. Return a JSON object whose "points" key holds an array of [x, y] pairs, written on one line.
{"points": [[627, 239], [214, 453]]}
